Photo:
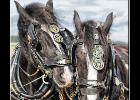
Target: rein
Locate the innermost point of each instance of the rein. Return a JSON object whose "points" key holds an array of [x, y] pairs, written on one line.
{"points": [[17, 86]]}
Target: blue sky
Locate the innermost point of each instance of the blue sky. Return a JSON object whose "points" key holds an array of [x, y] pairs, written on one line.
{"points": [[87, 9]]}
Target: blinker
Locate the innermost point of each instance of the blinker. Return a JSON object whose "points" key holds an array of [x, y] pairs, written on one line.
{"points": [[32, 38]]}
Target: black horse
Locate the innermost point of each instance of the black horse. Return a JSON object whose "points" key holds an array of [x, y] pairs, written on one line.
{"points": [[41, 65], [101, 72]]}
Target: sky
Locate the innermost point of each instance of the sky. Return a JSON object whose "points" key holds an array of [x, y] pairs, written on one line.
{"points": [[96, 10]]}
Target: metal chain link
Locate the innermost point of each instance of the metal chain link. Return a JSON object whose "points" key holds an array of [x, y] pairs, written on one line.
{"points": [[105, 97], [73, 94], [122, 94], [62, 95]]}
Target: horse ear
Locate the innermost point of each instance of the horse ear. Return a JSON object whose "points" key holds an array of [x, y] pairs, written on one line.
{"points": [[108, 22], [22, 11], [77, 21], [50, 4]]}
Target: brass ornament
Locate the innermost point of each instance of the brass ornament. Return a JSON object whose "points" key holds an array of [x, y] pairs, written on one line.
{"points": [[58, 38], [98, 65], [54, 28], [98, 52]]}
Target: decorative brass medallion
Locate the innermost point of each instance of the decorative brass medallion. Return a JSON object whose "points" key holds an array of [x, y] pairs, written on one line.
{"points": [[54, 28], [98, 52], [58, 38], [98, 65]]}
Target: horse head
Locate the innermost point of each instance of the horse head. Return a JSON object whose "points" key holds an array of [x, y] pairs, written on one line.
{"points": [[93, 49], [39, 36]]}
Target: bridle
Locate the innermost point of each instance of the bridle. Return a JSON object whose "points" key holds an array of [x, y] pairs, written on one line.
{"points": [[111, 79], [33, 40], [70, 61], [16, 85], [45, 68]]}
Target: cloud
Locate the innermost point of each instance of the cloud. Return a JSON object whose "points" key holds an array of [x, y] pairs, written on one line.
{"points": [[87, 9]]}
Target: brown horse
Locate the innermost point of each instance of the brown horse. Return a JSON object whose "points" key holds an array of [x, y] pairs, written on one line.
{"points": [[99, 67], [40, 54]]}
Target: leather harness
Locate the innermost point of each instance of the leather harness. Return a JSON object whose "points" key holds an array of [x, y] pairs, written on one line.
{"points": [[46, 68]]}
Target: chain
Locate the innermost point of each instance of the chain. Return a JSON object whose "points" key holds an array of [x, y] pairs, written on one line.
{"points": [[14, 90], [61, 94], [14, 50], [105, 97], [30, 75], [121, 97], [73, 94], [122, 94], [33, 81]]}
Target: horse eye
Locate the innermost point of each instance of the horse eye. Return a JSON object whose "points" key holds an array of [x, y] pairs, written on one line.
{"points": [[38, 47]]}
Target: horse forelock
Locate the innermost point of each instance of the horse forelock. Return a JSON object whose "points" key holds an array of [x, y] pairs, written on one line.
{"points": [[90, 27], [36, 12], [35, 5]]}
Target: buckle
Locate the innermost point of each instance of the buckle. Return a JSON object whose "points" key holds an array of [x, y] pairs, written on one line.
{"points": [[64, 61]]}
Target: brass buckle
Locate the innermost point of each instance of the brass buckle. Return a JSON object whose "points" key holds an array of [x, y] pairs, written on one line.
{"points": [[67, 61]]}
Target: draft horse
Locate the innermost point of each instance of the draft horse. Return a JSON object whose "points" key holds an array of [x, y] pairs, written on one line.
{"points": [[41, 64], [101, 73]]}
